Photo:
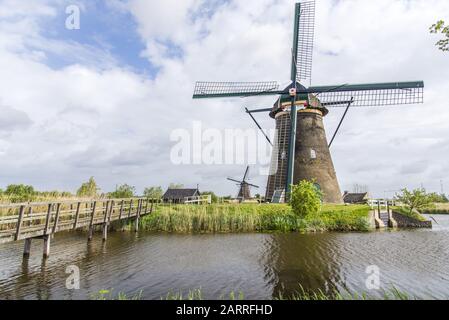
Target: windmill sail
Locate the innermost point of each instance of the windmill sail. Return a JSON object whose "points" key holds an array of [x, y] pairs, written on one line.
{"points": [[370, 95], [234, 89], [303, 42]]}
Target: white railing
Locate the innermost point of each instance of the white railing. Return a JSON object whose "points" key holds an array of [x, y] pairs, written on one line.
{"points": [[207, 199]]}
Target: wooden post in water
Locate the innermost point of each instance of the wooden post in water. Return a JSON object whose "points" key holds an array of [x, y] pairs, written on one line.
{"points": [[139, 207], [27, 248], [91, 224], [47, 220], [47, 240], [111, 211], [19, 223], [77, 215], [58, 210], [105, 221]]}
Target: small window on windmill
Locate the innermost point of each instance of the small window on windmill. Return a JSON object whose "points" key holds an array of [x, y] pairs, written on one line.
{"points": [[283, 155], [312, 154]]}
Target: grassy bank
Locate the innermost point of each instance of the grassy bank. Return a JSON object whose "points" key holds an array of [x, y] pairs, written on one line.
{"points": [[440, 208], [406, 212], [225, 218]]}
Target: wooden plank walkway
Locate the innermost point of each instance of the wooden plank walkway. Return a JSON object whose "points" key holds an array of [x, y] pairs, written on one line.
{"points": [[42, 220]]}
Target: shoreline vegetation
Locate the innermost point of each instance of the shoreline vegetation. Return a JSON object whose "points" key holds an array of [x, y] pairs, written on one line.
{"points": [[440, 208], [244, 218], [300, 294]]}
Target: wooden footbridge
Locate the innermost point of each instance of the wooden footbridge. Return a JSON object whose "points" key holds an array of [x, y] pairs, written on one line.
{"points": [[42, 220]]}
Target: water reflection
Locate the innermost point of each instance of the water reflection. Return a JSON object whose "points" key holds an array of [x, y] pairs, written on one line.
{"points": [[260, 265]]}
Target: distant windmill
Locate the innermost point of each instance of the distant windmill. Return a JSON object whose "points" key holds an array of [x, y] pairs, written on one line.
{"points": [[300, 149], [244, 192]]}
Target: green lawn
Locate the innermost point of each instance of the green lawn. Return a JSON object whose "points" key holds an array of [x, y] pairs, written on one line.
{"points": [[225, 218]]}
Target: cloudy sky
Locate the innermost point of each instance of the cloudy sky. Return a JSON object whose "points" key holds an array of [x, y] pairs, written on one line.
{"points": [[104, 100]]}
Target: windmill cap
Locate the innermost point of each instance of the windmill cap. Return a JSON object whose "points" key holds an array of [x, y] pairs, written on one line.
{"points": [[285, 100]]}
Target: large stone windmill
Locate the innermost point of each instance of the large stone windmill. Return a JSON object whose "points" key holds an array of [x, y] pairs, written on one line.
{"points": [[301, 150]]}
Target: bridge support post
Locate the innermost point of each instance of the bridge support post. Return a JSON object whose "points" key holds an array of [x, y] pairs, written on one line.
{"points": [[90, 233], [91, 224], [27, 248], [47, 240], [105, 231], [139, 207]]}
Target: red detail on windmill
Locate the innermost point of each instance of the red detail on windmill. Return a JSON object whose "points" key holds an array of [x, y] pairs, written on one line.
{"points": [[292, 92]]}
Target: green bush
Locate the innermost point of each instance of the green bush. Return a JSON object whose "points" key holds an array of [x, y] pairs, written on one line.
{"points": [[20, 193], [305, 199]]}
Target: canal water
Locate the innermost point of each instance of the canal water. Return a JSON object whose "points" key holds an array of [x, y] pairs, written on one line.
{"points": [[259, 265]]}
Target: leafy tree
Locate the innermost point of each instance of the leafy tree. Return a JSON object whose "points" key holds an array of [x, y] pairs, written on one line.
{"points": [[153, 192], [438, 198], [441, 27], [20, 192], [88, 189], [416, 199], [305, 198], [122, 192], [176, 186], [214, 197]]}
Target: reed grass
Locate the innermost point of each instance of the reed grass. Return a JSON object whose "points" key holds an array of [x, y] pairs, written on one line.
{"points": [[439, 208], [110, 295], [244, 218], [300, 294], [318, 295]]}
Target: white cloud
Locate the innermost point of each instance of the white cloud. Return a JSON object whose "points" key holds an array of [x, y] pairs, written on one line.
{"points": [[102, 120]]}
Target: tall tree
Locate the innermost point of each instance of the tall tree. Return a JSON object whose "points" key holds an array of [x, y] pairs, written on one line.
{"points": [[88, 189], [122, 192], [416, 199], [441, 28], [153, 192], [20, 192]]}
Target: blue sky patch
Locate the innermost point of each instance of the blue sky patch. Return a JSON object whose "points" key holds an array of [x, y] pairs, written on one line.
{"points": [[104, 29]]}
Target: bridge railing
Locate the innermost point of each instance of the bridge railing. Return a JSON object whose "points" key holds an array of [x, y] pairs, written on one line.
{"points": [[28, 220]]}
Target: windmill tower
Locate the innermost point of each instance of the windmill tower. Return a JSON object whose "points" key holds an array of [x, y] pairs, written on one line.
{"points": [[301, 150], [244, 187]]}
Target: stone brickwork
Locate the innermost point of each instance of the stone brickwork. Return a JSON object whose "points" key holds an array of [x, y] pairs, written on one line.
{"points": [[404, 221]]}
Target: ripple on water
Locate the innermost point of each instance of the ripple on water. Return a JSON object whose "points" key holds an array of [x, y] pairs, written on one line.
{"points": [[260, 265]]}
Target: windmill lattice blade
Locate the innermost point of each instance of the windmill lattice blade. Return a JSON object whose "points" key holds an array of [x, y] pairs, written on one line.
{"points": [[253, 185], [370, 95], [246, 173], [306, 33], [233, 180], [234, 89]]}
